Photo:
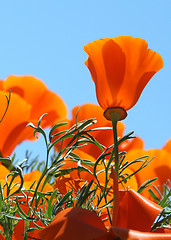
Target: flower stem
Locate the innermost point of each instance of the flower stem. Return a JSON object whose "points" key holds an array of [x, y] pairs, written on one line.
{"points": [[115, 149], [115, 172], [116, 198]]}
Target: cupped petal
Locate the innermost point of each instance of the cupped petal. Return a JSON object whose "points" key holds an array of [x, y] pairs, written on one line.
{"points": [[94, 50], [18, 114], [95, 64], [129, 234], [75, 223], [27, 87], [136, 212], [121, 67], [53, 105], [104, 68], [115, 65], [159, 167], [141, 64], [42, 100], [17, 135]]}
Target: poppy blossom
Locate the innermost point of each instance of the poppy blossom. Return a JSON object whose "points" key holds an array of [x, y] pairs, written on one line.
{"points": [[136, 212], [136, 216], [75, 223], [78, 223], [159, 167], [120, 68], [30, 99]]}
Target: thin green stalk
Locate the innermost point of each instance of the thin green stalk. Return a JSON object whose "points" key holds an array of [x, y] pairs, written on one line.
{"points": [[115, 172], [115, 149], [7, 227], [27, 223]]}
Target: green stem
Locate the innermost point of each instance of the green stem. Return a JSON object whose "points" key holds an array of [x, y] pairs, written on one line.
{"points": [[116, 170], [26, 228], [115, 149], [7, 227], [27, 223], [116, 199]]}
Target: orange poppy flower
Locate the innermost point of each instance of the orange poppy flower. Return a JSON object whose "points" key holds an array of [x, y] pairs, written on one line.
{"points": [[136, 216], [30, 98], [120, 68], [135, 211], [75, 223], [158, 167]]}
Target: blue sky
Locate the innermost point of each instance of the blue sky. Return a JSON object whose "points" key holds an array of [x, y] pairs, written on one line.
{"points": [[46, 38]]}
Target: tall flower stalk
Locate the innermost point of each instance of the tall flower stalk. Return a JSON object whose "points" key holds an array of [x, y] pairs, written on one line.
{"points": [[120, 68], [115, 114]]}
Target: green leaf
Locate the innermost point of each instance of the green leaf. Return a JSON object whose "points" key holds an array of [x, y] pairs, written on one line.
{"points": [[5, 160], [146, 184], [50, 205], [55, 127]]}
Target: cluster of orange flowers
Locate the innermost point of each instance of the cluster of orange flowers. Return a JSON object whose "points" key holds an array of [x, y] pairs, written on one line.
{"points": [[120, 68]]}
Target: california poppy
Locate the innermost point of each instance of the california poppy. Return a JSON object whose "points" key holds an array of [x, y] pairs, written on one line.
{"points": [[136, 212], [77, 223], [30, 99], [120, 68], [159, 167]]}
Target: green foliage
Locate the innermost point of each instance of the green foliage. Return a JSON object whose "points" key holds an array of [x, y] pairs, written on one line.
{"points": [[43, 206], [8, 207], [164, 200]]}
